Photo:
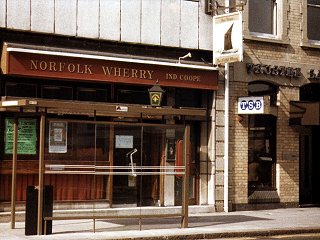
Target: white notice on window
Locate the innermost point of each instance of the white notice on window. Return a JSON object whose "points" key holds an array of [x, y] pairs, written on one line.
{"points": [[124, 141], [57, 137]]}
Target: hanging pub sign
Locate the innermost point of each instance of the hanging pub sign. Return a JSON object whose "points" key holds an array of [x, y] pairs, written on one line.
{"points": [[227, 38], [27, 136], [250, 105], [58, 137]]}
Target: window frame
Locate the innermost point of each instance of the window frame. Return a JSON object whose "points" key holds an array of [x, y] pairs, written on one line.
{"points": [[305, 41], [280, 24]]}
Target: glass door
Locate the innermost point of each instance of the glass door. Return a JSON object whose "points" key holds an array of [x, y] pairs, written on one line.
{"points": [[145, 158], [127, 156]]}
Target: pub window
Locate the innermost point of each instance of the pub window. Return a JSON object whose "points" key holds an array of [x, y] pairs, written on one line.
{"points": [[188, 97], [134, 95], [92, 94], [56, 92], [313, 18], [20, 89]]}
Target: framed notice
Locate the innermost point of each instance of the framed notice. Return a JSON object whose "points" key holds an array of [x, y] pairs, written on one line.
{"points": [[27, 136], [58, 137], [124, 141]]}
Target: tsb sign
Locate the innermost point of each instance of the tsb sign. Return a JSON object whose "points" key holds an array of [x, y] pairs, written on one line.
{"points": [[250, 105]]}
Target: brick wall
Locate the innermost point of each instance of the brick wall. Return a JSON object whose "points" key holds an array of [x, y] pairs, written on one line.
{"points": [[287, 173]]}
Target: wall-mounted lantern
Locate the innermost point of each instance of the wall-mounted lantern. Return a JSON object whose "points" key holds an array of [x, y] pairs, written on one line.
{"points": [[155, 95]]}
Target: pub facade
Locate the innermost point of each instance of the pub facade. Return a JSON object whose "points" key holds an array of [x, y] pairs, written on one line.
{"points": [[99, 109], [79, 111], [106, 122]]}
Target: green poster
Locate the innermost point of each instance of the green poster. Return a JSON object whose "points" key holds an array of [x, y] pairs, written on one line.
{"points": [[27, 136]]}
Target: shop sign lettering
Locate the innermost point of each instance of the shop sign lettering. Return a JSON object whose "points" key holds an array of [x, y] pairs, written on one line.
{"points": [[314, 74], [78, 68], [183, 77], [52, 66], [273, 70], [114, 71], [127, 72]]}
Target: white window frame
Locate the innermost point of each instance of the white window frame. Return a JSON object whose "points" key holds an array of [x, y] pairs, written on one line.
{"points": [[280, 24], [305, 41]]}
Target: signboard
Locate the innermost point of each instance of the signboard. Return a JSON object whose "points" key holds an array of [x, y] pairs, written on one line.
{"points": [[227, 38], [58, 137], [122, 108], [91, 69], [250, 105], [27, 136]]}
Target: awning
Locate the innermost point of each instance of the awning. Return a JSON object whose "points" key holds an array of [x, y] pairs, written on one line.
{"points": [[98, 109], [59, 63], [304, 113]]}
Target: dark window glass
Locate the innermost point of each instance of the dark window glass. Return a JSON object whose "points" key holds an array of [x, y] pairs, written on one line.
{"points": [[133, 95], [56, 92], [92, 94], [261, 16], [21, 90], [310, 92], [313, 19], [262, 152], [188, 98], [262, 141]]}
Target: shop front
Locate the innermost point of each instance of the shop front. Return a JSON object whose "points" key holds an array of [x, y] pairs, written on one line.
{"points": [[267, 145], [305, 115], [83, 123], [261, 111]]}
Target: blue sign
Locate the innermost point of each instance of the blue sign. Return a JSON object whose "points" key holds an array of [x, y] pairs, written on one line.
{"points": [[250, 105]]}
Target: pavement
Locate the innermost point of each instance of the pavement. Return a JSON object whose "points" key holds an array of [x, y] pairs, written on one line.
{"points": [[201, 226]]}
